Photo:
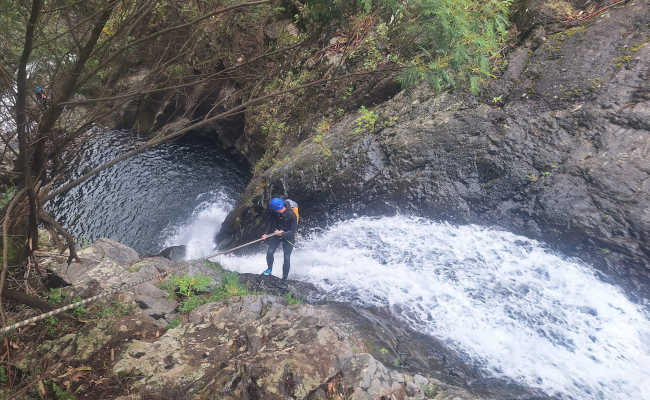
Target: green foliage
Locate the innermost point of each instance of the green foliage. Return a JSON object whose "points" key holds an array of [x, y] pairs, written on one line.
{"points": [[430, 391], [192, 302], [80, 311], [174, 323], [115, 308], [61, 394], [51, 325], [366, 5], [230, 287], [291, 300], [187, 286], [366, 122], [212, 265], [3, 375], [452, 42], [445, 43], [55, 296]]}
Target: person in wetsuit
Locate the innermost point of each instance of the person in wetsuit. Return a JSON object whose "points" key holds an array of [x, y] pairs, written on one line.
{"points": [[283, 222]]}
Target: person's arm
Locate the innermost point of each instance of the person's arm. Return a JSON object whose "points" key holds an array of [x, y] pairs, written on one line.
{"points": [[293, 225]]}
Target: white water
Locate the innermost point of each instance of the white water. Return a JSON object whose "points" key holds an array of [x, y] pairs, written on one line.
{"points": [[503, 301], [198, 234]]}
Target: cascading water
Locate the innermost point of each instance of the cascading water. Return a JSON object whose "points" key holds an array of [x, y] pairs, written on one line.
{"points": [[506, 303]]}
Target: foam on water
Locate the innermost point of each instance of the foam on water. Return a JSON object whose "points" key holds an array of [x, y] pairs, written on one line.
{"points": [[505, 302], [198, 234]]}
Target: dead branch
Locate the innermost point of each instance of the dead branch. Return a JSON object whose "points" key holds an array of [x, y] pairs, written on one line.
{"points": [[47, 218], [93, 72]]}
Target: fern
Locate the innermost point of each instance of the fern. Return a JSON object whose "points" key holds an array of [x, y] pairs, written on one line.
{"points": [[445, 43], [455, 39]]}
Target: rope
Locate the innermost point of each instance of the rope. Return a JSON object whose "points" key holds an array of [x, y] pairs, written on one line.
{"points": [[579, 19], [113, 291]]}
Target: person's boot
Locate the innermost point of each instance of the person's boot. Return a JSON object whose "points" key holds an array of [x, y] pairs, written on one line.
{"points": [[268, 271]]}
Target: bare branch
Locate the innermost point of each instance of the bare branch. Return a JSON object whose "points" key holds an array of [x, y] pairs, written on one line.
{"points": [[182, 85], [161, 139], [170, 29]]}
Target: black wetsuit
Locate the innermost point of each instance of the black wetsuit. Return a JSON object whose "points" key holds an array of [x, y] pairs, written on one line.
{"points": [[287, 222]]}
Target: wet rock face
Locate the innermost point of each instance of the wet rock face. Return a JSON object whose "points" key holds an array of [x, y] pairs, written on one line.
{"points": [[257, 347], [556, 149]]}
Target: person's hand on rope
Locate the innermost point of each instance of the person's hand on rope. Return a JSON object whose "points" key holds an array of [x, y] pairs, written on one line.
{"points": [[276, 233]]}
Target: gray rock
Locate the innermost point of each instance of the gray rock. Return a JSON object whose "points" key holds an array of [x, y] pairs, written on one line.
{"points": [[156, 307], [556, 149]]}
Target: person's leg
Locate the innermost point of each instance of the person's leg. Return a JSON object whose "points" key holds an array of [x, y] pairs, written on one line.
{"points": [[287, 247], [273, 242]]}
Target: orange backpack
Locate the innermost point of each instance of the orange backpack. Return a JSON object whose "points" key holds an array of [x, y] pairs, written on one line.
{"points": [[294, 207]]}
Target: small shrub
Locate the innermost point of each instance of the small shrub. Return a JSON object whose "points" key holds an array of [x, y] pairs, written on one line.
{"points": [[51, 324], [174, 323], [291, 300], [61, 394], [79, 311], [430, 391], [192, 302], [55, 296], [324, 126], [115, 308], [187, 286], [366, 122]]}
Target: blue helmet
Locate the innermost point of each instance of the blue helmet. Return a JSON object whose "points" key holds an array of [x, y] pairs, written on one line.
{"points": [[276, 204], [38, 89]]}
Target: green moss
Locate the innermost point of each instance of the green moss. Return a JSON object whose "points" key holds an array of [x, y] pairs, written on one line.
{"points": [[627, 52], [561, 37], [622, 60], [569, 93], [595, 84]]}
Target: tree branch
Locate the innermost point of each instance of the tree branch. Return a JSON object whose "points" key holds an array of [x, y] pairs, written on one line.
{"points": [[5, 246], [161, 139], [170, 29]]}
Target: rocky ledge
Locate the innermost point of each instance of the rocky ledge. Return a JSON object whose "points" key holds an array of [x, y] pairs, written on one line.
{"points": [[263, 345]]}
